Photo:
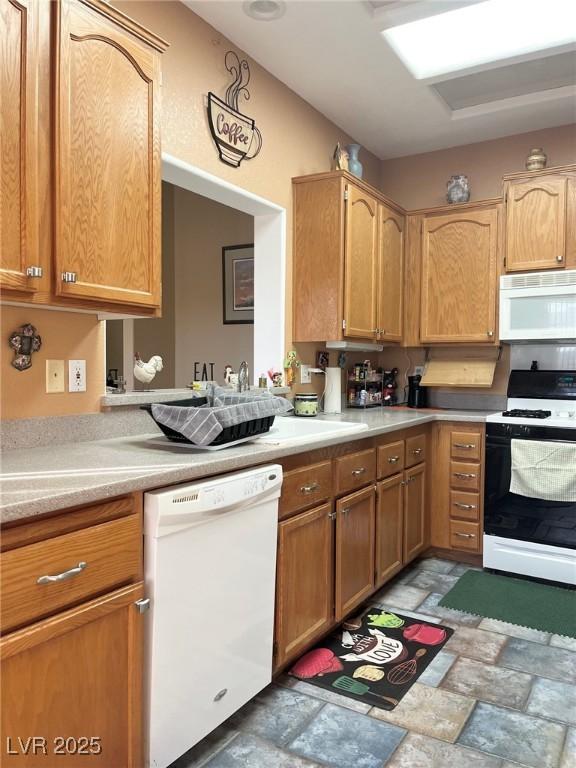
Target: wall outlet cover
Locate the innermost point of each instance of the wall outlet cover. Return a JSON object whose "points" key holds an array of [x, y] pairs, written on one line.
{"points": [[305, 377], [54, 376], [76, 375]]}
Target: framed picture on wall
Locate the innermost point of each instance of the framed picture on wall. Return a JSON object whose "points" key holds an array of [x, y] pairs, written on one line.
{"points": [[238, 283]]}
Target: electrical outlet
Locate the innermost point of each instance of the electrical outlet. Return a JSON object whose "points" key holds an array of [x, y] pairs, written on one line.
{"points": [[76, 375], [54, 376], [305, 377], [419, 370]]}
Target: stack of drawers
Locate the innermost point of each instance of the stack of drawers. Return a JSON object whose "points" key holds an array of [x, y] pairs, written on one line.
{"points": [[465, 480]]}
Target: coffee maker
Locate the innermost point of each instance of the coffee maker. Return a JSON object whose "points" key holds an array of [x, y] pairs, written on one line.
{"points": [[417, 395]]}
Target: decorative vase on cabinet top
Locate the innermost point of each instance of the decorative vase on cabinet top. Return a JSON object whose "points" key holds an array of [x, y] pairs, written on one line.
{"points": [[536, 160], [354, 165], [458, 189]]}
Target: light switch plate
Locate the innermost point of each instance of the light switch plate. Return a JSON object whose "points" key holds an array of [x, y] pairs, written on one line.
{"points": [[54, 376], [305, 377], [76, 375]]}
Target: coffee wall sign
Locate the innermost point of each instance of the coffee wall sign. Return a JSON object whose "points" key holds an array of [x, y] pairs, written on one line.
{"points": [[236, 136]]}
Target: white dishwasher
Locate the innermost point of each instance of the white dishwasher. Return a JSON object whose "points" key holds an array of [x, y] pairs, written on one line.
{"points": [[210, 569]]}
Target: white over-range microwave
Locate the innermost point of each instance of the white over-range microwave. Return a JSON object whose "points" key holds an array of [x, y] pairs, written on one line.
{"points": [[538, 306]]}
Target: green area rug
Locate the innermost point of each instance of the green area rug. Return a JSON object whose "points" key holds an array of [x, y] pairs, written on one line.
{"points": [[517, 601]]}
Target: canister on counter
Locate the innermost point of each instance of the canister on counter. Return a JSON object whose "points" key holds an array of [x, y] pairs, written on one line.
{"points": [[305, 405]]}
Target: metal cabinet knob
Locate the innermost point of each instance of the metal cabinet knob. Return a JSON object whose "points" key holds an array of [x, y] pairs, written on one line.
{"points": [[62, 576], [393, 459], [490, 333], [559, 258], [309, 488], [68, 277], [143, 605], [359, 471], [417, 451], [332, 515], [34, 272]]}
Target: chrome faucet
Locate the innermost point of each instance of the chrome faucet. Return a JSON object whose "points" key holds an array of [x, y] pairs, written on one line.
{"points": [[243, 377]]}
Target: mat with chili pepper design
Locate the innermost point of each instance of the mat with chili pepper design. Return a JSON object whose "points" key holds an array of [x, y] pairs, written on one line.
{"points": [[374, 657]]}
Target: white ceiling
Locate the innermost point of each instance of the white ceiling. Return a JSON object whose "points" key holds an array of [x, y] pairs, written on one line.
{"points": [[332, 54]]}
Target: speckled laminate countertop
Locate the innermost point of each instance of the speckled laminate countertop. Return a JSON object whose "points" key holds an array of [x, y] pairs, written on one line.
{"points": [[41, 480]]}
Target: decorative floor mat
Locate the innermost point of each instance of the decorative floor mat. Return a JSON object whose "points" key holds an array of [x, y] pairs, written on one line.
{"points": [[375, 657], [516, 601]]}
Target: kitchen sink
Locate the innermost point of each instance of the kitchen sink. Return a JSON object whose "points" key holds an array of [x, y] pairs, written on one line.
{"points": [[294, 429]]}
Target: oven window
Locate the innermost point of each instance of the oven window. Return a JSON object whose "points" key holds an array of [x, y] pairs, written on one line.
{"points": [[515, 516]]}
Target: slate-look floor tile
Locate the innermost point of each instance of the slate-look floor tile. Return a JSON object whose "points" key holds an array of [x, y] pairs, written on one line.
{"points": [[430, 605], [201, 753], [429, 711], [513, 630], [436, 671], [514, 736], [339, 737], [561, 641], [435, 564], [569, 753], [418, 751], [488, 682], [251, 752], [301, 686], [276, 714], [402, 596], [553, 699], [543, 660], [433, 582], [461, 568], [476, 643]]}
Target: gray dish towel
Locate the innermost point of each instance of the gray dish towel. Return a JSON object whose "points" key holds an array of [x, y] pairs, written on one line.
{"points": [[202, 425]]}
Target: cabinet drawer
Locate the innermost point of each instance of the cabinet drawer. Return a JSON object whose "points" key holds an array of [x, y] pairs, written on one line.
{"points": [[355, 470], [303, 488], [465, 445], [390, 459], [464, 476], [87, 563], [464, 535], [465, 505], [415, 450]]}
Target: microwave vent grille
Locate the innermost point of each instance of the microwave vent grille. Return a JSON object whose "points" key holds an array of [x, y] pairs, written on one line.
{"points": [[539, 279]]}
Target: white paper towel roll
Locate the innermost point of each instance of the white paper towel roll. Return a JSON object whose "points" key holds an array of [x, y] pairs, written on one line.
{"points": [[333, 394]]}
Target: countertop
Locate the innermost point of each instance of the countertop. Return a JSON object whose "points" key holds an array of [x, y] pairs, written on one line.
{"points": [[42, 480]]}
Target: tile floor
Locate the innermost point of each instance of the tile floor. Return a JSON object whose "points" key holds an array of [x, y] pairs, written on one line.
{"points": [[496, 696]]}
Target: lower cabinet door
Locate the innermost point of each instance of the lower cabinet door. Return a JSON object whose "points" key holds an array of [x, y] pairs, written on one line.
{"points": [[389, 528], [304, 582], [414, 512], [355, 525], [71, 687]]}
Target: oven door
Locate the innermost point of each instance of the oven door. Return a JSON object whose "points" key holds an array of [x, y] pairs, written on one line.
{"points": [[511, 516]]}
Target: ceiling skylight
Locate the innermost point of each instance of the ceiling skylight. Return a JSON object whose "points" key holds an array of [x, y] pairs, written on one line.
{"points": [[489, 31]]}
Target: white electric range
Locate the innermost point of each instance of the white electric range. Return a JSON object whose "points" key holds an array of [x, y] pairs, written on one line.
{"points": [[525, 534]]}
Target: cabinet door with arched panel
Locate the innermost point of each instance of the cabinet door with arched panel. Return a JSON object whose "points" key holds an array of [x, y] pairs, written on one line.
{"points": [[107, 156], [390, 273]]}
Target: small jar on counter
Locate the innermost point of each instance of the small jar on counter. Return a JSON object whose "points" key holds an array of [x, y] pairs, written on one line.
{"points": [[305, 405]]}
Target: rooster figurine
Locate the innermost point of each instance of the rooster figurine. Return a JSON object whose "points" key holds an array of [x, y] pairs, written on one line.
{"points": [[145, 372]]}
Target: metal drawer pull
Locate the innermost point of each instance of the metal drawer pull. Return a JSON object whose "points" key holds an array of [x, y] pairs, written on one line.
{"points": [[466, 535], [417, 451], [68, 277], [346, 511], [393, 459], [359, 471], [464, 475], [464, 506], [62, 576], [309, 488], [34, 272], [143, 605], [464, 445], [332, 515]]}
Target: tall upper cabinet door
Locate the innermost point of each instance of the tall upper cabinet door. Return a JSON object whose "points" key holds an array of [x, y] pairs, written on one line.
{"points": [[459, 275], [361, 262], [107, 159], [19, 267], [391, 256], [536, 224]]}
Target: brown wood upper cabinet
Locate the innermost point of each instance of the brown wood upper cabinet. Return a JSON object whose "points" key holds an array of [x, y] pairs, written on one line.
{"points": [[459, 275], [348, 248], [108, 164], [19, 266], [390, 273], [540, 221], [360, 264]]}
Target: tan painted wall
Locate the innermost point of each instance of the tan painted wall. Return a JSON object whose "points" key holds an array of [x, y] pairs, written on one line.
{"points": [[203, 227], [419, 181], [65, 336]]}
